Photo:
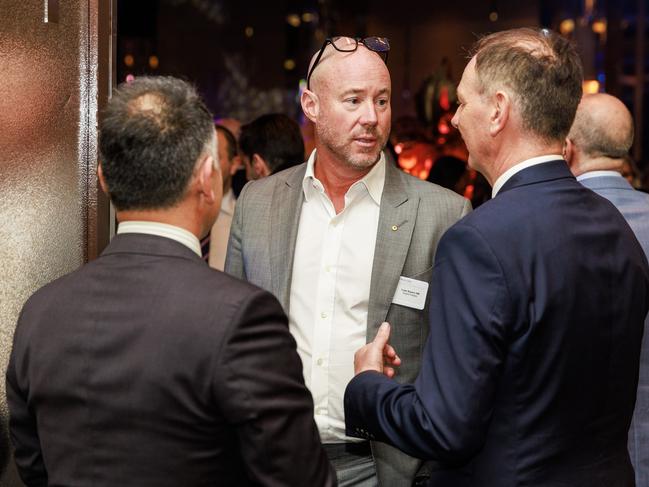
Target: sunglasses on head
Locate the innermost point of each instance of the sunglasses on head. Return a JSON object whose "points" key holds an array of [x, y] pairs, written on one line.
{"points": [[379, 45]]}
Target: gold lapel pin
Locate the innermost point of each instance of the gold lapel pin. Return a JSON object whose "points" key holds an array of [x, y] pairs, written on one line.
{"points": [[395, 228]]}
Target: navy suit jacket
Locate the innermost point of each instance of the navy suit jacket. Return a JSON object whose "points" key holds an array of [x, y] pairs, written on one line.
{"points": [[529, 374], [148, 368], [634, 206]]}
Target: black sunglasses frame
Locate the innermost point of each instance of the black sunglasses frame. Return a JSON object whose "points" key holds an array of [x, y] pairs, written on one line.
{"points": [[366, 41]]}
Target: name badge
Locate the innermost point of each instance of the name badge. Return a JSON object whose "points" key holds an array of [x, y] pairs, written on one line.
{"points": [[411, 293]]}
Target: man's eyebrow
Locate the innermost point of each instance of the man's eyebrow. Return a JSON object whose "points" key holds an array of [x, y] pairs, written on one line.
{"points": [[352, 91], [358, 91]]}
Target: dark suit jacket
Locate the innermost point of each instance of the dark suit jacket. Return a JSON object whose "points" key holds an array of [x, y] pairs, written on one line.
{"points": [[148, 368], [634, 206], [529, 374]]}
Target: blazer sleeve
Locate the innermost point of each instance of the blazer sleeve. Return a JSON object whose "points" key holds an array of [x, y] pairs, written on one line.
{"points": [[262, 393], [444, 415], [22, 420]]}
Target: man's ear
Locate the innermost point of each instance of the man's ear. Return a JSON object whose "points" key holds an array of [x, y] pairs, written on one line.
{"points": [[310, 104], [500, 113], [569, 152], [259, 165], [102, 180], [204, 176]]}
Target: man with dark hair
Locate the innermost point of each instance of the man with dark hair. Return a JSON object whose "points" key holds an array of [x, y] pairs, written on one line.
{"points": [[345, 241], [146, 367], [596, 149], [538, 300], [220, 232], [269, 144]]}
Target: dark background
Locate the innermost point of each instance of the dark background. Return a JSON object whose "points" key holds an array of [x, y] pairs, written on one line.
{"points": [[248, 57]]}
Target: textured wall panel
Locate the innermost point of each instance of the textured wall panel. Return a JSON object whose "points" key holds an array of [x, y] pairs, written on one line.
{"points": [[48, 102]]}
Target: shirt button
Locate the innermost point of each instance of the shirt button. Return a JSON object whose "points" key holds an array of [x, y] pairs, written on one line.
{"points": [[327, 268], [320, 361], [323, 315], [322, 411]]}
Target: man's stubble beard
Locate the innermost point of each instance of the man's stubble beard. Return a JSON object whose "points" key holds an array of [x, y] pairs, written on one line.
{"points": [[345, 153]]}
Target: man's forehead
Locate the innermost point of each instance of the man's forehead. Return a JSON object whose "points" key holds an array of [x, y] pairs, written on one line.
{"points": [[332, 62]]}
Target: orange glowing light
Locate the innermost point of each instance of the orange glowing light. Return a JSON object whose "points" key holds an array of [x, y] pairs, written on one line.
{"points": [[408, 162], [599, 26], [567, 26], [590, 86]]}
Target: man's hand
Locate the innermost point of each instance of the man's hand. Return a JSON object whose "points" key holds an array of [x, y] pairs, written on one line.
{"points": [[377, 355]]}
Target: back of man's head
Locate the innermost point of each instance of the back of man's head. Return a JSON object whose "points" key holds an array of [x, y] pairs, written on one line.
{"points": [[603, 127], [151, 135], [276, 138], [541, 69]]}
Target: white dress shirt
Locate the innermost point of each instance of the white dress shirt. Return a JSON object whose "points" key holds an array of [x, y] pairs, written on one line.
{"points": [[504, 177], [330, 289], [173, 232], [220, 232]]}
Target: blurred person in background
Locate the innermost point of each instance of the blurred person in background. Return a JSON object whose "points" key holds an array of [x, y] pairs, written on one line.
{"points": [[220, 232], [269, 144]]}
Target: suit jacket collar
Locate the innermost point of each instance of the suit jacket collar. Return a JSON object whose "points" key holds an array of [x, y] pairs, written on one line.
{"points": [[397, 220], [547, 171], [139, 243], [286, 207], [607, 182]]}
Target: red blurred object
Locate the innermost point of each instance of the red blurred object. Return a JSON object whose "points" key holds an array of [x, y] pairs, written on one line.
{"points": [[416, 158]]}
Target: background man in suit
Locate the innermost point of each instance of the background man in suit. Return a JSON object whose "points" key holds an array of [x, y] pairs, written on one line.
{"points": [[598, 142], [217, 240], [345, 241], [538, 300], [146, 367], [270, 144]]}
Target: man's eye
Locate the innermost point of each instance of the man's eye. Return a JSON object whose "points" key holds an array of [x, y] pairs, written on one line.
{"points": [[352, 101], [382, 102]]}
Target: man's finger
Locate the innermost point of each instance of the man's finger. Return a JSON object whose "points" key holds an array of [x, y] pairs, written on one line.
{"points": [[389, 351], [396, 360], [383, 335]]}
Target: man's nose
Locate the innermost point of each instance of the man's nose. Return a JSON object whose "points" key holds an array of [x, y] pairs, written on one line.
{"points": [[455, 119], [369, 115]]}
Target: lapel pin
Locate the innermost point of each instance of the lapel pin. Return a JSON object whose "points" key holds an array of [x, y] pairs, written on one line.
{"points": [[396, 227]]}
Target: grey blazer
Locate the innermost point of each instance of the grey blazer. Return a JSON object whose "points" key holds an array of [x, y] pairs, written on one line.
{"points": [[634, 206], [414, 214]]}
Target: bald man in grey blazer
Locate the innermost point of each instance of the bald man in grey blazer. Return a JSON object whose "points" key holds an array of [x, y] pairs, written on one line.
{"points": [[345, 242]]}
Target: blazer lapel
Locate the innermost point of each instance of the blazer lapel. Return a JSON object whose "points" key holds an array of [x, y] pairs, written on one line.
{"points": [[396, 224], [285, 218]]}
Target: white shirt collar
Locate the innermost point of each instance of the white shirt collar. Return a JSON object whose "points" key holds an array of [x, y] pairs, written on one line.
{"points": [[373, 180], [173, 232], [504, 177], [597, 174]]}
